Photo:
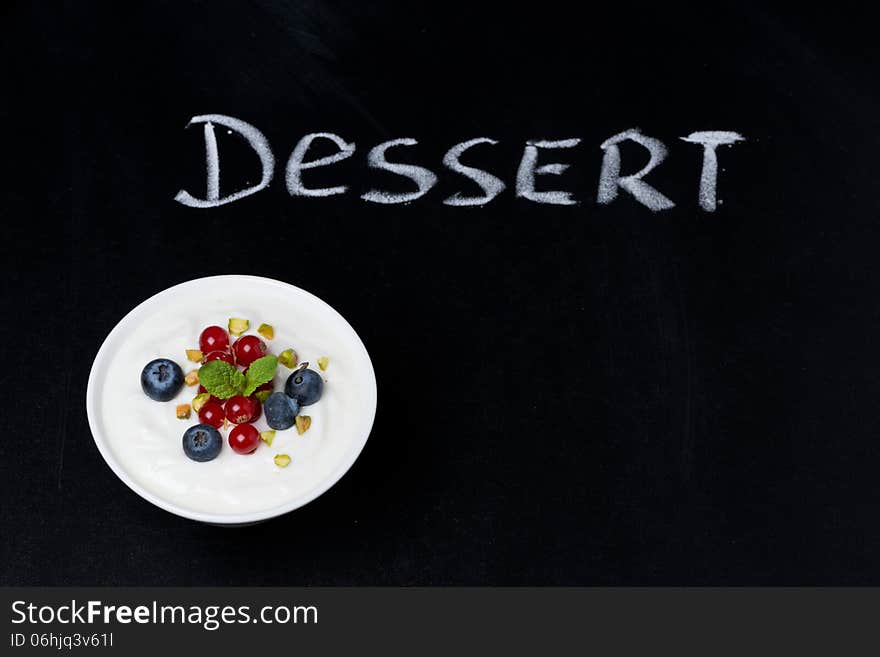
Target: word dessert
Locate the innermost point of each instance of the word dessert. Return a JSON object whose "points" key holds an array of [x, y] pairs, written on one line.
{"points": [[611, 180]]}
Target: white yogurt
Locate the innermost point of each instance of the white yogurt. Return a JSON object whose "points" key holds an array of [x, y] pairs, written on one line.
{"points": [[145, 437]]}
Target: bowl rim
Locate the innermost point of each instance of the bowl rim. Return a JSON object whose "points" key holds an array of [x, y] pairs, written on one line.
{"points": [[225, 518]]}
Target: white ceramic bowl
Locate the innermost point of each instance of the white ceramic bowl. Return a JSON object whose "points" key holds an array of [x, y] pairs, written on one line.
{"points": [[112, 370]]}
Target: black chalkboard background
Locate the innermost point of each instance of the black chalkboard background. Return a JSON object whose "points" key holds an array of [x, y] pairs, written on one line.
{"points": [[567, 395]]}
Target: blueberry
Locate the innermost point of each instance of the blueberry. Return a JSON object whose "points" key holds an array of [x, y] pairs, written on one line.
{"points": [[280, 410], [162, 379], [202, 442], [305, 386]]}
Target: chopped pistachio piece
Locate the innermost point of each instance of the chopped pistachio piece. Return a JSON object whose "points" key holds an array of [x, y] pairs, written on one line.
{"points": [[200, 400], [182, 411], [267, 436], [288, 358], [194, 355], [303, 422], [262, 395], [323, 362], [282, 460], [237, 325], [267, 331], [192, 378]]}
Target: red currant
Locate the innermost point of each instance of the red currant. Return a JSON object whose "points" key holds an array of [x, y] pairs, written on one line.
{"points": [[247, 349], [241, 409], [212, 413], [214, 338], [244, 438], [225, 356]]}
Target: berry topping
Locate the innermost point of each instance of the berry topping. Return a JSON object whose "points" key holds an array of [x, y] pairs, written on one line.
{"points": [[280, 410], [202, 443], [304, 385], [213, 338], [225, 356], [212, 413], [247, 349], [161, 379], [240, 409], [244, 438], [235, 379]]}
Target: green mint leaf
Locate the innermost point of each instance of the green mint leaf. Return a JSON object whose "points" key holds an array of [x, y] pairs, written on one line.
{"points": [[221, 379], [260, 371]]}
